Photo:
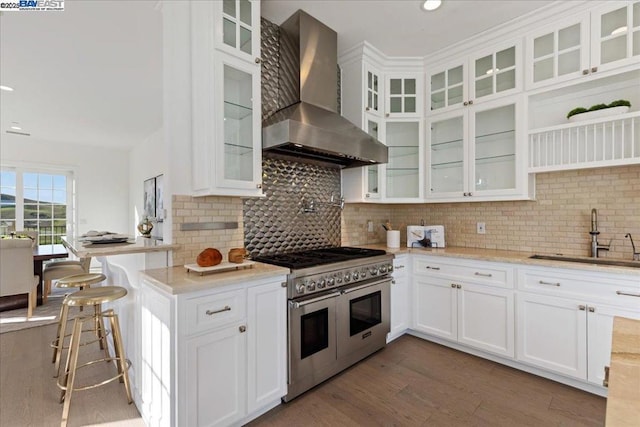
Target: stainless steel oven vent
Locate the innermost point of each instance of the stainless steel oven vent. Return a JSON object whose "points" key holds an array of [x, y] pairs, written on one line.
{"points": [[308, 125]]}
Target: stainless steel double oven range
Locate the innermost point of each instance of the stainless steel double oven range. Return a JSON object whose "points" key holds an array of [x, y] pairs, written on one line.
{"points": [[338, 310]]}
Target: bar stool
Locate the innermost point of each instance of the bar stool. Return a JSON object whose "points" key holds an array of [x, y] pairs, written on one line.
{"points": [[80, 281], [93, 297]]}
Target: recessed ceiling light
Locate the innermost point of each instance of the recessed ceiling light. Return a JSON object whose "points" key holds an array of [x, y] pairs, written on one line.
{"points": [[431, 4], [16, 128], [619, 30], [6, 88]]}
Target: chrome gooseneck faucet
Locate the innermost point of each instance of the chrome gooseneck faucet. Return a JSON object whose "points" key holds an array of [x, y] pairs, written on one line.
{"points": [[595, 246], [636, 255]]}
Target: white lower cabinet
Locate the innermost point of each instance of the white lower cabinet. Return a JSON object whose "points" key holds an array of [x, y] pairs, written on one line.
{"points": [[552, 334], [215, 373], [400, 298], [447, 304], [567, 336], [565, 319], [213, 358]]}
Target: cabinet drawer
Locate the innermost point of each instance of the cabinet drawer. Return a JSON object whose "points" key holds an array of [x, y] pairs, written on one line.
{"points": [[211, 311], [486, 273], [576, 285]]}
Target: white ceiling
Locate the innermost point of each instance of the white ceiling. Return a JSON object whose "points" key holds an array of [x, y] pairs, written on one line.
{"points": [[401, 27], [93, 73]]}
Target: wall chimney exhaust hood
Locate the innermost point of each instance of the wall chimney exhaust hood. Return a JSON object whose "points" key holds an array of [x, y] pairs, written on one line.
{"points": [[309, 126]]}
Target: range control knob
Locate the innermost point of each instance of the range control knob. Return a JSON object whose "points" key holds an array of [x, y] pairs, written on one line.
{"points": [[383, 269], [356, 275], [373, 271], [330, 281], [300, 288], [321, 284], [347, 277], [311, 286], [363, 273], [338, 280], [389, 268]]}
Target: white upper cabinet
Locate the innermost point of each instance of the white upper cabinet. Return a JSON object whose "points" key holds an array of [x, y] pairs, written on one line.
{"points": [[237, 28], [558, 53], [371, 88], [226, 106], [483, 76], [373, 173], [403, 95], [373, 93], [603, 39], [615, 35], [404, 172], [477, 153]]}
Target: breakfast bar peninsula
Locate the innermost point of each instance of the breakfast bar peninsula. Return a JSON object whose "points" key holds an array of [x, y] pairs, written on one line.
{"points": [[122, 263]]}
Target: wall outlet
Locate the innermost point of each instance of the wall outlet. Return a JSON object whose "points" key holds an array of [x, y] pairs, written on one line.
{"points": [[481, 228], [370, 226]]}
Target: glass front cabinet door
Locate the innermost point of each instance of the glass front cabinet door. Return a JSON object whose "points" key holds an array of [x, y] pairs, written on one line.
{"points": [[615, 35], [476, 153], [238, 130], [447, 87], [403, 172], [225, 115], [237, 28], [558, 53], [373, 91], [373, 173], [403, 95]]}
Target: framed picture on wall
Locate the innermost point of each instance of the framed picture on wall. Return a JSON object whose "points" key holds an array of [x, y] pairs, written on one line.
{"points": [[150, 198], [159, 199]]}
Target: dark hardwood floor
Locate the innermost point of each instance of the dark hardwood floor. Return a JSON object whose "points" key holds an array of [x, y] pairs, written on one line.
{"points": [[409, 383], [417, 383]]}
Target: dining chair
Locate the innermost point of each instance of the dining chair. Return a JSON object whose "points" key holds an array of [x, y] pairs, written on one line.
{"points": [[32, 234], [16, 271]]}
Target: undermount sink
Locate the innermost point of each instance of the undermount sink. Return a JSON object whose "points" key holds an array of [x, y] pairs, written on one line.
{"points": [[597, 261]]}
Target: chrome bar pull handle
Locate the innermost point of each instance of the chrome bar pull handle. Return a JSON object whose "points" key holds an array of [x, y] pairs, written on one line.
{"points": [[483, 274], [398, 267], [211, 313], [428, 267], [542, 282], [629, 294]]}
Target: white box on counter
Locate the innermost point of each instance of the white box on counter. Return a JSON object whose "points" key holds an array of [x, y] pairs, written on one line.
{"points": [[429, 236]]}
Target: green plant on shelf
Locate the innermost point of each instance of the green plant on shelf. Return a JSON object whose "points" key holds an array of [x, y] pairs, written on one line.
{"points": [[580, 110]]}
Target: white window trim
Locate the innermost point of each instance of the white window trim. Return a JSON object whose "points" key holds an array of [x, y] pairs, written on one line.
{"points": [[71, 174]]}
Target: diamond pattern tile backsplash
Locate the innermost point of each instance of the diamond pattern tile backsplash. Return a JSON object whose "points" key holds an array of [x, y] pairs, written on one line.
{"points": [[279, 223]]}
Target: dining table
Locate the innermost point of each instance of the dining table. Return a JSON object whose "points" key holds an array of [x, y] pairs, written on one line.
{"points": [[43, 253]]}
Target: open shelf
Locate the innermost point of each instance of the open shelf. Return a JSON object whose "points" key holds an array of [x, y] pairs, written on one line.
{"points": [[600, 142]]}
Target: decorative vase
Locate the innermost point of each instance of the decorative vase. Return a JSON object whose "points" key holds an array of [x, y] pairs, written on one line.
{"points": [[145, 227]]}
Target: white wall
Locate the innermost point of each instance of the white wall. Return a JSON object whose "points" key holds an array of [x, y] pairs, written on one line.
{"points": [[146, 160], [102, 177]]}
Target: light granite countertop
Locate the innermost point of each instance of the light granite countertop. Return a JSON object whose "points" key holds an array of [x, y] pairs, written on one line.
{"points": [[623, 401], [176, 280], [514, 257], [141, 245]]}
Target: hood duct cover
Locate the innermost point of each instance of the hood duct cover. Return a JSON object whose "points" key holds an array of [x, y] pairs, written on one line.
{"points": [[309, 126]]}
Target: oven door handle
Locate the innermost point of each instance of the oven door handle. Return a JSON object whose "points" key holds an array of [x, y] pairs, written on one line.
{"points": [[367, 285], [298, 304]]}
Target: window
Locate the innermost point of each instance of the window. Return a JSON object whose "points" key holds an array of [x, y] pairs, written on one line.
{"points": [[37, 200]]}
